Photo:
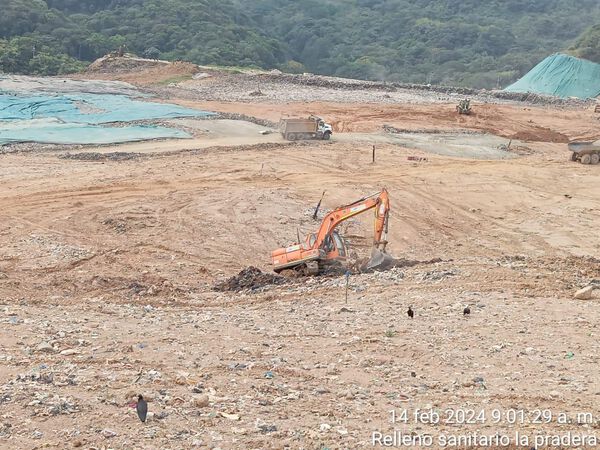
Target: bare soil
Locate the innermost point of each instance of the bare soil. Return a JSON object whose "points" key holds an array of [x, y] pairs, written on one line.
{"points": [[107, 270]]}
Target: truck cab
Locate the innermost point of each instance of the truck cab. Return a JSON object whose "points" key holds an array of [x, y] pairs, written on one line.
{"points": [[324, 130]]}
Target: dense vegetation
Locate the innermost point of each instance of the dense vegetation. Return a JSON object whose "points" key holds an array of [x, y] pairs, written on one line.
{"points": [[467, 42], [588, 45]]}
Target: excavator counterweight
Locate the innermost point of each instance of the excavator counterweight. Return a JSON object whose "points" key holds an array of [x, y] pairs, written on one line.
{"points": [[326, 246]]}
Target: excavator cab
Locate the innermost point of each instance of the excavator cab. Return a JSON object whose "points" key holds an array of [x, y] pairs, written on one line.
{"points": [[334, 245]]}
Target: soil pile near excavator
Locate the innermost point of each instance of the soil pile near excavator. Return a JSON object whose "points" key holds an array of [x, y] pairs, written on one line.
{"points": [[250, 278]]}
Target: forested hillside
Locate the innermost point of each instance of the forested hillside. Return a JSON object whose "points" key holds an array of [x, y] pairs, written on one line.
{"points": [[588, 45], [477, 43]]}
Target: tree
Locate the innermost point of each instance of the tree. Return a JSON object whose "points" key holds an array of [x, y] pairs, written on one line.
{"points": [[451, 41], [151, 53], [292, 67]]}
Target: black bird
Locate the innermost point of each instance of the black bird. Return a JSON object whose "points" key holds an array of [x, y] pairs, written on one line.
{"points": [[142, 408], [466, 311], [410, 312]]}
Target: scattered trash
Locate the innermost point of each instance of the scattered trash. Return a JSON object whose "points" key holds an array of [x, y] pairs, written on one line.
{"points": [[61, 405], [233, 417], [70, 352], [324, 427], [237, 366], [250, 278], [267, 428], [436, 275], [108, 433], [37, 434]]}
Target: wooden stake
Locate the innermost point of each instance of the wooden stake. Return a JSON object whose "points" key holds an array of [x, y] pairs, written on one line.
{"points": [[347, 284]]}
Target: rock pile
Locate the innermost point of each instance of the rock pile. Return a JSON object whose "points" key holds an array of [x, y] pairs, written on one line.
{"points": [[350, 84], [95, 156]]}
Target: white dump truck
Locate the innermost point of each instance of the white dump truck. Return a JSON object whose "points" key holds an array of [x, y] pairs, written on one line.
{"points": [[585, 152], [312, 128]]}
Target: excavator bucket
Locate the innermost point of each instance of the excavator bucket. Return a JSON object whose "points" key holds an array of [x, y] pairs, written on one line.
{"points": [[379, 260]]}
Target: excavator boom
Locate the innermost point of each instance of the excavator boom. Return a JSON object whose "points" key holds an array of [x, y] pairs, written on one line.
{"points": [[334, 218], [326, 245]]}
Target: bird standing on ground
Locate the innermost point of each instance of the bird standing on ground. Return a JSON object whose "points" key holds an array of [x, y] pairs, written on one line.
{"points": [[410, 312], [142, 408], [466, 311]]}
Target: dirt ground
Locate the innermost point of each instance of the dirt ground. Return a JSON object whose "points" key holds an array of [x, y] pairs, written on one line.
{"points": [[107, 270]]}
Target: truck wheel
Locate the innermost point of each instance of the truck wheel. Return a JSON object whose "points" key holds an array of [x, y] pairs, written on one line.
{"points": [[327, 136], [595, 158], [586, 159], [292, 136], [573, 156]]}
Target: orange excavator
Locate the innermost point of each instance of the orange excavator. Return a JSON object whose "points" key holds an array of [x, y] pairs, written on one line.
{"points": [[327, 247]]}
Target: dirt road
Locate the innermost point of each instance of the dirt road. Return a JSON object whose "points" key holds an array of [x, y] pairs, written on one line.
{"points": [[529, 123], [107, 269]]}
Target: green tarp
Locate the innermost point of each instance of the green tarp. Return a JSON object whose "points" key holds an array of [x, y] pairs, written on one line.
{"points": [[79, 118], [53, 131], [561, 76]]}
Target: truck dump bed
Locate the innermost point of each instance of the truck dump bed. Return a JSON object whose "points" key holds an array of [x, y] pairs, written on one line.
{"points": [[579, 147], [585, 152], [297, 126]]}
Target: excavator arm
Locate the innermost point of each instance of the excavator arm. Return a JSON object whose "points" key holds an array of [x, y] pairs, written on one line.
{"points": [[380, 201], [382, 215], [318, 247]]}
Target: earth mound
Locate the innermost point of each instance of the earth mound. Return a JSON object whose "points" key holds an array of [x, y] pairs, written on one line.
{"points": [[249, 278], [140, 71]]}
